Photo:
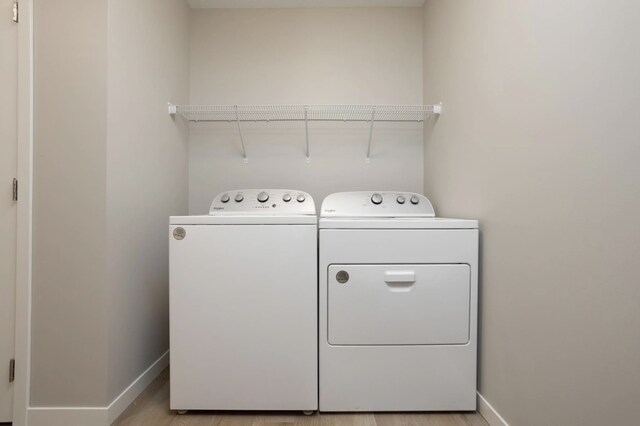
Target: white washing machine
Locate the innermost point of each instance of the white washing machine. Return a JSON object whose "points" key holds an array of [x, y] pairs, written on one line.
{"points": [[243, 304], [398, 305]]}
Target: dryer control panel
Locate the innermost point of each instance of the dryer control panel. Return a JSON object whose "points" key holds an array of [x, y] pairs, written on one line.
{"points": [[263, 201], [376, 204]]}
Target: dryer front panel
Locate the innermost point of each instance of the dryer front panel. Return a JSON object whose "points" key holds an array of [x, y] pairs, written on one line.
{"points": [[412, 304]]}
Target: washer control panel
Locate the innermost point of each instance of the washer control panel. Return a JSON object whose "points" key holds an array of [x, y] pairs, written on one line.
{"points": [[376, 204], [263, 201]]}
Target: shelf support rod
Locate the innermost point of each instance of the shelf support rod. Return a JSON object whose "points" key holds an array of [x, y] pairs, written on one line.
{"points": [[306, 130], [244, 151], [373, 117]]}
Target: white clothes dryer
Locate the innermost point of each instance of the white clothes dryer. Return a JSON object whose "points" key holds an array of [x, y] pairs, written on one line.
{"points": [[243, 304], [398, 291]]}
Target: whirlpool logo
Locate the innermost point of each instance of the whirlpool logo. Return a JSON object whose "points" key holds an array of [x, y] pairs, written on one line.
{"points": [[218, 208]]}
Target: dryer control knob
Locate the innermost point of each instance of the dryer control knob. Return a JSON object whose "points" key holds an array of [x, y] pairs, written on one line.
{"points": [[286, 198], [301, 198], [401, 199], [263, 197], [239, 198], [415, 199], [225, 198], [376, 198]]}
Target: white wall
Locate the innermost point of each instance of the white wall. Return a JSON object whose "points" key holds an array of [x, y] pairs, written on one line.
{"points": [[110, 168], [540, 141], [148, 65], [69, 327], [280, 56]]}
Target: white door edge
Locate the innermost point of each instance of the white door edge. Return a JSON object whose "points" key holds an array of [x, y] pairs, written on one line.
{"points": [[25, 209]]}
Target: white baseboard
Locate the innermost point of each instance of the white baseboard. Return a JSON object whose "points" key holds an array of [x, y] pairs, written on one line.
{"points": [[66, 416], [128, 395], [97, 416], [489, 413]]}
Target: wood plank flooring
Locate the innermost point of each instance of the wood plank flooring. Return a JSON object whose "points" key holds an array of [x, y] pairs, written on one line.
{"points": [[151, 408]]}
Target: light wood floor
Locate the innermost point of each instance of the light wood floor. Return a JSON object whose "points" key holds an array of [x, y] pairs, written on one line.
{"points": [[152, 408]]}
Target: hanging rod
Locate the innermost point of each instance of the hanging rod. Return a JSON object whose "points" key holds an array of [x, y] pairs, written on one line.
{"points": [[306, 114]]}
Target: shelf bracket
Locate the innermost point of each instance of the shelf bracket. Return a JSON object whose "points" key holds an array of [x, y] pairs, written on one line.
{"points": [[373, 117], [244, 151], [306, 131], [173, 109]]}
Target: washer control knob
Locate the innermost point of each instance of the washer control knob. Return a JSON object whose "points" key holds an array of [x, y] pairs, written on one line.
{"points": [[225, 198], [376, 198], [401, 199], [286, 198], [415, 199], [263, 197], [239, 198], [301, 198]]}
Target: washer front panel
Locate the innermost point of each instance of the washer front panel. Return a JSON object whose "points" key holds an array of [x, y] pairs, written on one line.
{"points": [[243, 317]]}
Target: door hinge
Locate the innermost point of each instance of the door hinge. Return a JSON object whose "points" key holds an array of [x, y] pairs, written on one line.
{"points": [[15, 11], [15, 189], [12, 370]]}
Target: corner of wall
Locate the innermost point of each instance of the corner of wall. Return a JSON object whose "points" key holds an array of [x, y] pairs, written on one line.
{"points": [[489, 413], [147, 177]]}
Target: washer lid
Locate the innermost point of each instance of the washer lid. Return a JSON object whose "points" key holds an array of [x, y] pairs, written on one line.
{"points": [[263, 202], [371, 204], [240, 219]]}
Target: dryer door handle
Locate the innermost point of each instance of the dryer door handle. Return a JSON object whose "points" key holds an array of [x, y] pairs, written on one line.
{"points": [[398, 277]]}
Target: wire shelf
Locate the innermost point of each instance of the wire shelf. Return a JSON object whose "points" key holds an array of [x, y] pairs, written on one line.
{"points": [[305, 113], [266, 113]]}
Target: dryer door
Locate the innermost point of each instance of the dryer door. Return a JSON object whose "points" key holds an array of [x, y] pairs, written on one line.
{"points": [[398, 304]]}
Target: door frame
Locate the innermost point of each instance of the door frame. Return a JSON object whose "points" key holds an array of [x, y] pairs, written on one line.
{"points": [[21, 385]]}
